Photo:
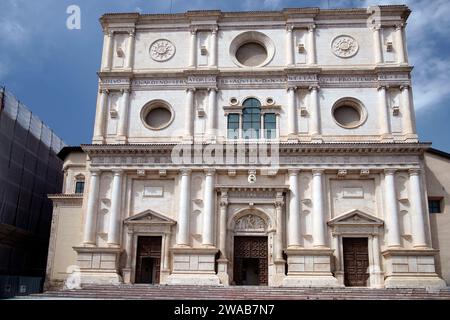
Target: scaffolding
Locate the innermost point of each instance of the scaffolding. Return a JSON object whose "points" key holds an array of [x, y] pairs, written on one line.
{"points": [[29, 170]]}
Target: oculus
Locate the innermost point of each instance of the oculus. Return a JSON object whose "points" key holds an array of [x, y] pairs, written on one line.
{"points": [[252, 49], [157, 115], [162, 50], [349, 113], [344, 46]]}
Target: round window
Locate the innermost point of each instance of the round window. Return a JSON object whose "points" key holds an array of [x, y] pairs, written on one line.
{"points": [[251, 54], [157, 115], [252, 49], [349, 113]]}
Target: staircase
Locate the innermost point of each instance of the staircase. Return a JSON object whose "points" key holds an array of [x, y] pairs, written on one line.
{"points": [[162, 292]]}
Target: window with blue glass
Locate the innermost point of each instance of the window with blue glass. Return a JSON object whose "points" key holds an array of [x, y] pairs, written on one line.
{"points": [[79, 186], [435, 205], [251, 118], [233, 126], [270, 125]]}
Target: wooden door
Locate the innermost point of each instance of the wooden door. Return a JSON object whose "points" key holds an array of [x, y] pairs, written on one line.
{"points": [[356, 262], [148, 260], [250, 260]]}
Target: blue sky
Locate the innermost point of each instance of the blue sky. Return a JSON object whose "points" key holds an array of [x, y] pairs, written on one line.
{"points": [[52, 70]]}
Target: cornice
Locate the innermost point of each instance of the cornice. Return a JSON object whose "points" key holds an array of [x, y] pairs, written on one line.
{"points": [[71, 199], [273, 71], [285, 148], [388, 13]]}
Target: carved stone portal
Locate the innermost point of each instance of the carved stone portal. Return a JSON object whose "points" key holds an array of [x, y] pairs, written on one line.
{"points": [[250, 222]]}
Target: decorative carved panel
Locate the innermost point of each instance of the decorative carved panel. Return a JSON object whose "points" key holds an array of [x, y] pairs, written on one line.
{"points": [[250, 222]]}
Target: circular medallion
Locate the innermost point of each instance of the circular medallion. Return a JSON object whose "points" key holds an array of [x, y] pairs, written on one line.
{"points": [[162, 50], [344, 46]]}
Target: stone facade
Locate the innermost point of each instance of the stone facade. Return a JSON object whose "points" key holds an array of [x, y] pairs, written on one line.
{"points": [[327, 93]]}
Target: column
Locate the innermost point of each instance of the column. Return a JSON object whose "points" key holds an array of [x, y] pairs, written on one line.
{"points": [[391, 209], [311, 45], [376, 253], [208, 212], [189, 118], [292, 112], [377, 45], [279, 221], [318, 210], [108, 43], [166, 251], [294, 233], [130, 50], [129, 248], [384, 114], [100, 115], [314, 112], [212, 114], [290, 46], [193, 49], [185, 208], [116, 209], [407, 119], [337, 252], [91, 210], [223, 224], [417, 214], [213, 48], [122, 131], [400, 45]]}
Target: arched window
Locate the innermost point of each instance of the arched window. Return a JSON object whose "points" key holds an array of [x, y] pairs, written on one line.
{"points": [[251, 118]]}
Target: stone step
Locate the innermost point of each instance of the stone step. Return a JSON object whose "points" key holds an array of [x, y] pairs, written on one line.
{"points": [[243, 293]]}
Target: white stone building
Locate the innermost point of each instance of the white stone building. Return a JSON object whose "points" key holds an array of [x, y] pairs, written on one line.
{"points": [[327, 93]]}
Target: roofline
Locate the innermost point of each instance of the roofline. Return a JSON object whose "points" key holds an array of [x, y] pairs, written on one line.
{"points": [[439, 153], [401, 11], [64, 152]]}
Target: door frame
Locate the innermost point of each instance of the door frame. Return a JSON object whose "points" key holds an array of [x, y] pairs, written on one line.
{"points": [[365, 226], [268, 231], [136, 256], [368, 258], [267, 248]]}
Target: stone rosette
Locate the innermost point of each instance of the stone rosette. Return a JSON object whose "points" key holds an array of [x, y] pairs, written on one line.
{"points": [[162, 50], [344, 46]]}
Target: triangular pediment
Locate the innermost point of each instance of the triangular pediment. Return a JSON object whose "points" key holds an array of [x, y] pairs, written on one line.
{"points": [[149, 216], [356, 217]]}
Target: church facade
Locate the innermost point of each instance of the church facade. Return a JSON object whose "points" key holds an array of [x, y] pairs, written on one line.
{"points": [[270, 148]]}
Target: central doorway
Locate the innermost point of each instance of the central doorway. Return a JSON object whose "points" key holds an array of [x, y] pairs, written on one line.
{"points": [[250, 260], [356, 262], [148, 260]]}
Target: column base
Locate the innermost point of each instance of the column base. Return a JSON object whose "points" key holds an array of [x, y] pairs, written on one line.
{"points": [[98, 140], [193, 266], [280, 273], [387, 137], [411, 268], [100, 277], [126, 275], [222, 272], [316, 138], [427, 282], [411, 138], [97, 265], [309, 268], [121, 139], [292, 137]]}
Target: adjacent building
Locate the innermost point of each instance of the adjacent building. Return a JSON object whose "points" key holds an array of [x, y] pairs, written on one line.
{"points": [[29, 170], [270, 148]]}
